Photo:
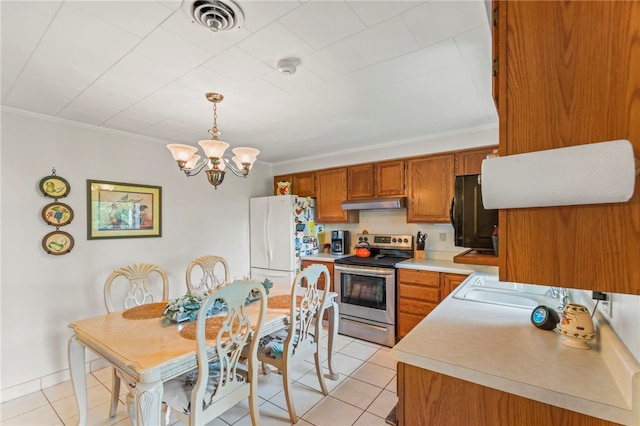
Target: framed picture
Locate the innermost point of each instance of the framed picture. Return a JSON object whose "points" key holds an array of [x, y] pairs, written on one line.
{"points": [[123, 210]]}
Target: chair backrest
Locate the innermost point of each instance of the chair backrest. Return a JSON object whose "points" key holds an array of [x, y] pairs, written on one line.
{"points": [[139, 291], [236, 331], [209, 280], [304, 314]]}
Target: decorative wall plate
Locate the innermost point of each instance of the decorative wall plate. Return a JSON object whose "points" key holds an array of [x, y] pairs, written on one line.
{"points": [[54, 186], [57, 214], [57, 242]]}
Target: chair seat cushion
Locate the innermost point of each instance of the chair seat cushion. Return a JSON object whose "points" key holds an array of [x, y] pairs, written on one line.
{"points": [[272, 345], [177, 392]]}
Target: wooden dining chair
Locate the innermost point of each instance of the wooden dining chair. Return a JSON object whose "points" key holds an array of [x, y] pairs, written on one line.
{"points": [[209, 280], [215, 386], [286, 347], [140, 278]]}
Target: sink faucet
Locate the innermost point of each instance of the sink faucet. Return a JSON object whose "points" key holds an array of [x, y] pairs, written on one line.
{"points": [[560, 293]]}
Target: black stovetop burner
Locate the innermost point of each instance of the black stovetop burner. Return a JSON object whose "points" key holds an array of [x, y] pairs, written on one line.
{"points": [[386, 250], [376, 261]]}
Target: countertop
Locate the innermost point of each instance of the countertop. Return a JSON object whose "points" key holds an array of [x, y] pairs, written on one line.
{"points": [[445, 265], [496, 346], [324, 257]]}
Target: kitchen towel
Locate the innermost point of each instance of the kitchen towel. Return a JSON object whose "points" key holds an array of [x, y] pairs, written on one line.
{"points": [[602, 172]]}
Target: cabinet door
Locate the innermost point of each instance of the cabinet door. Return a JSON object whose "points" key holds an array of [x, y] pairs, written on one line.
{"points": [[389, 178], [430, 183], [304, 184], [331, 191], [321, 282], [450, 282], [590, 246], [429, 398], [360, 181], [470, 162]]}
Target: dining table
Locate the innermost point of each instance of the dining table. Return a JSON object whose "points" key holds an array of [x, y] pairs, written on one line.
{"points": [[146, 354]]}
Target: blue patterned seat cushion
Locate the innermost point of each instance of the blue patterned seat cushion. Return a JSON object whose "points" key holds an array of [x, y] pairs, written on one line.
{"points": [[272, 345], [177, 392]]}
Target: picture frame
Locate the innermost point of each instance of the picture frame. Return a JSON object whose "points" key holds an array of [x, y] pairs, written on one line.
{"points": [[123, 210]]}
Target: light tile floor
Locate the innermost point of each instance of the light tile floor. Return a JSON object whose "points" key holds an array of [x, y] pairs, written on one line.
{"points": [[363, 395]]}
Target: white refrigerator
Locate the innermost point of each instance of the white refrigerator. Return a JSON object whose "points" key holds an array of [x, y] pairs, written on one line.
{"points": [[282, 230]]}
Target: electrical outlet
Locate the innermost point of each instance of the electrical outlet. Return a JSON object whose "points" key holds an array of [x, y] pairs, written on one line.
{"points": [[604, 305], [443, 236]]}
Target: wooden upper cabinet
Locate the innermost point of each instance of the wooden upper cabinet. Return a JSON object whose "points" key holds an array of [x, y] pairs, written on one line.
{"points": [[469, 162], [360, 181], [384, 179], [430, 182], [281, 178], [331, 191], [305, 184], [583, 89], [302, 184], [390, 178], [498, 36]]}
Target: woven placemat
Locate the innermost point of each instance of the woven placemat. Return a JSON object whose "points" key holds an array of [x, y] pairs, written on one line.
{"points": [[148, 311], [281, 302], [210, 329]]}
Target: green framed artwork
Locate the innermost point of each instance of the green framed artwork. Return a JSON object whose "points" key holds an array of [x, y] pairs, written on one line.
{"points": [[123, 210]]}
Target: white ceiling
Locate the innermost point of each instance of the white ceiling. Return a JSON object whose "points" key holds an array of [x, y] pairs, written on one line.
{"points": [[371, 72]]}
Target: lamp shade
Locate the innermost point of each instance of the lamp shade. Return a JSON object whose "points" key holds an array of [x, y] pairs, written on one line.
{"points": [[192, 162], [245, 154], [213, 148], [182, 152]]}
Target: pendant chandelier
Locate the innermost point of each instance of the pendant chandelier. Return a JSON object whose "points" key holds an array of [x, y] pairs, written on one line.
{"points": [[189, 162]]}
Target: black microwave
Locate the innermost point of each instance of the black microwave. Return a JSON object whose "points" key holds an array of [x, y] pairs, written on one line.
{"points": [[473, 224]]}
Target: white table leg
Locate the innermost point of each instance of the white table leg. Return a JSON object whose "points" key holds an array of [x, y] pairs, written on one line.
{"points": [[333, 333], [75, 355], [148, 401]]}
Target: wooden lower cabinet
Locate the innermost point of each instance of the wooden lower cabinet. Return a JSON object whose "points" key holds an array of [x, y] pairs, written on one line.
{"points": [[429, 398], [321, 281], [418, 293], [450, 282]]}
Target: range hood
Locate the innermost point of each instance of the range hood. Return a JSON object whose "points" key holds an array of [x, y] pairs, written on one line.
{"points": [[375, 204]]}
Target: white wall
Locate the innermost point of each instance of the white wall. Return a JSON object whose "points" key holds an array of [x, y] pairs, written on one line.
{"points": [[42, 293]]}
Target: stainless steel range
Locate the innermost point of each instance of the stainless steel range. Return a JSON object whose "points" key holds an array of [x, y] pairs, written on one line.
{"points": [[366, 288]]}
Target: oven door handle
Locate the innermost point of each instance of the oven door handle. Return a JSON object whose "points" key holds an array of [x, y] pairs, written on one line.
{"points": [[361, 270]]}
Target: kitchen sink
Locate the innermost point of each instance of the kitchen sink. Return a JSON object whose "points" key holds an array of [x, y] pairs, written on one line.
{"points": [[486, 288]]}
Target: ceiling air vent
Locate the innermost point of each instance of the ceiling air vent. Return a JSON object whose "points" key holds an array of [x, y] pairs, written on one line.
{"points": [[214, 15]]}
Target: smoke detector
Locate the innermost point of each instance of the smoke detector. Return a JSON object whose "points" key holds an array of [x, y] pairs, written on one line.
{"points": [[214, 15], [287, 66]]}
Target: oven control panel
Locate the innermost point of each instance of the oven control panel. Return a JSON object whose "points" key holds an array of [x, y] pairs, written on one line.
{"points": [[389, 241]]}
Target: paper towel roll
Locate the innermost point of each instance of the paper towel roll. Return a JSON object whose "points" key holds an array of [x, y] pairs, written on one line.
{"points": [[595, 173]]}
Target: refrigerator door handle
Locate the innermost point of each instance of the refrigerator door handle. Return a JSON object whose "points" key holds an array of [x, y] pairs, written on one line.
{"points": [[267, 222]]}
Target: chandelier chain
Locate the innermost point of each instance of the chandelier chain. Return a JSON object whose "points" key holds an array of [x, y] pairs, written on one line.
{"points": [[214, 130]]}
